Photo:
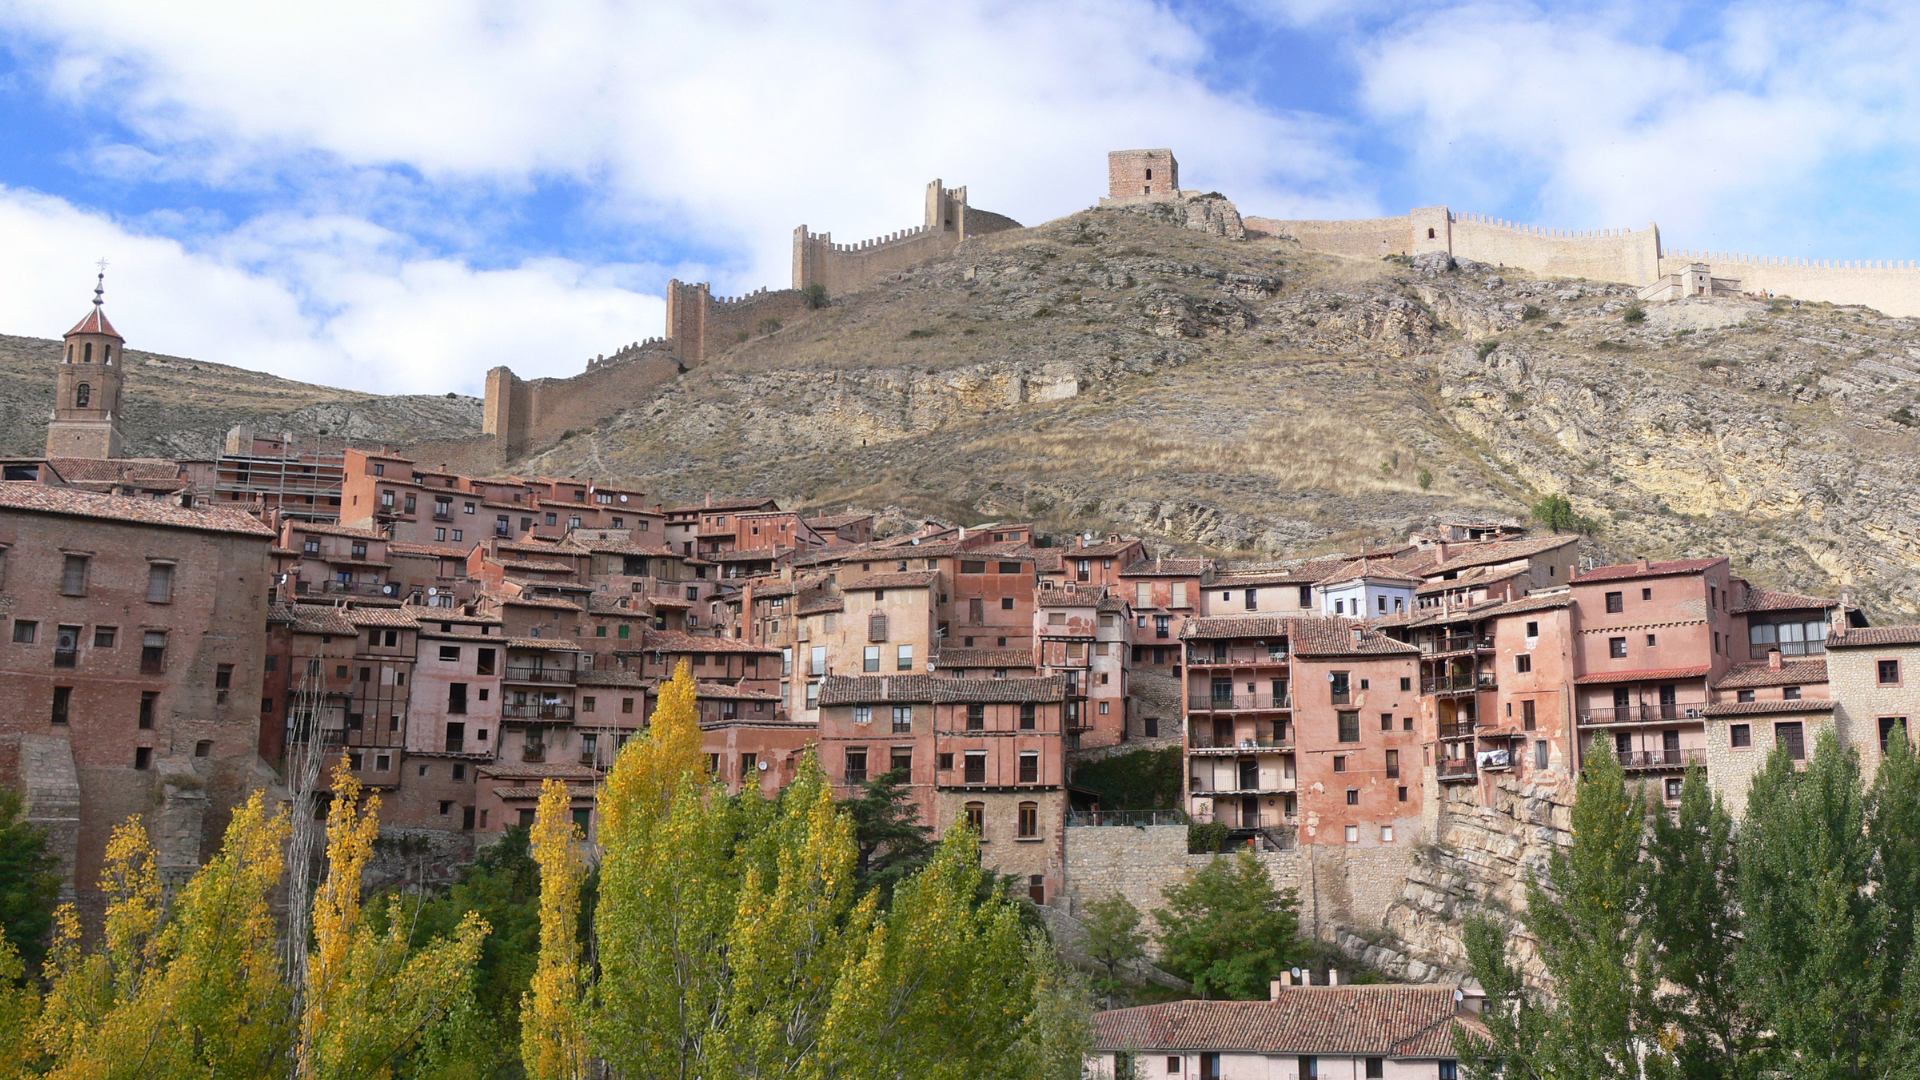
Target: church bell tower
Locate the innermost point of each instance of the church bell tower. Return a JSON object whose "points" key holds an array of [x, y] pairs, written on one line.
{"points": [[86, 407]]}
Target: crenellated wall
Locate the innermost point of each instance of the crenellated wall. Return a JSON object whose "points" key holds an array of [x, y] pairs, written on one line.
{"points": [[1890, 287], [848, 268], [524, 413], [1625, 256]]}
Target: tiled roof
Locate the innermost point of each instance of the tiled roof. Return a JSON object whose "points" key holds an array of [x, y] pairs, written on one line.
{"points": [[29, 497], [322, 528], [312, 619], [1630, 571], [115, 470], [911, 579], [1164, 567], [985, 658], [444, 551], [1319, 636], [1300, 573], [1601, 678], [723, 691], [718, 505], [1868, 636], [1790, 673], [1759, 599], [676, 642], [623, 547], [1343, 1021], [615, 677], [873, 689], [1525, 604], [1765, 708], [1373, 569], [537, 566], [1488, 552], [1072, 594], [747, 555], [524, 770], [95, 323], [1235, 626], [1099, 549], [1479, 575], [524, 600], [837, 521], [381, 616], [818, 605]]}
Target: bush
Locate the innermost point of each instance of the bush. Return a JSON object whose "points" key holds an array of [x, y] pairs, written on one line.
{"points": [[1556, 514], [1206, 838], [919, 332], [1904, 416], [1425, 477], [1530, 312], [816, 296], [1141, 780], [769, 326], [1634, 314], [1485, 349]]}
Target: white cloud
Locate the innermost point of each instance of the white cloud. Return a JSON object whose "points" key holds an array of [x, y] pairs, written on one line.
{"points": [[333, 300], [728, 122], [1594, 120]]}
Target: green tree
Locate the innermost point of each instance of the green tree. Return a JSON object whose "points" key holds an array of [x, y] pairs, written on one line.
{"points": [[1114, 940], [1692, 921], [1517, 1028], [1555, 513], [1228, 930], [1586, 919], [1811, 965], [1893, 828], [29, 882], [890, 840]]}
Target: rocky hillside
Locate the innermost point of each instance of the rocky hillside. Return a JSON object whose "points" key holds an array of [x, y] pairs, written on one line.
{"points": [[1116, 370], [176, 407]]}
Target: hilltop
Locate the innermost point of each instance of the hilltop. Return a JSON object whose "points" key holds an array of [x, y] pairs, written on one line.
{"points": [[181, 407], [1115, 370]]}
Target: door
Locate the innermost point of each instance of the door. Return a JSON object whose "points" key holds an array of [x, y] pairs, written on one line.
{"points": [[1249, 775], [1623, 746], [1210, 1066], [1670, 747], [1249, 812], [1622, 707], [1667, 703]]}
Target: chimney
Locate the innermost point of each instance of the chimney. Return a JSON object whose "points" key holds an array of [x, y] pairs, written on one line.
{"points": [[1439, 552], [1333, 976], [709, 497], [1646, 564], [1773, 659], [1306, 976], [1273, 987], [1358, 633]]}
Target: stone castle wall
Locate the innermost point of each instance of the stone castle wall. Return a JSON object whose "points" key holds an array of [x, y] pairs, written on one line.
{"points": [[523, 413], [1890, 287], [849, 268]]}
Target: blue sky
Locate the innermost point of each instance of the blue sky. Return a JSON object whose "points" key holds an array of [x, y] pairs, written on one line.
{"points": [[396, 197]]}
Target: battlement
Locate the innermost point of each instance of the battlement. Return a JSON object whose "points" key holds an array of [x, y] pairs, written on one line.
{"points": [[820, 263], [1729, 258], [627, 352]]}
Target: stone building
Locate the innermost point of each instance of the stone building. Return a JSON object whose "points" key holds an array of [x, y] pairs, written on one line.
{"points": [[132, 660], [1868, 669]]}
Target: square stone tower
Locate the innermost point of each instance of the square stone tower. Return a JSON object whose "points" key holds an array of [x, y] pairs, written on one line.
{"points": [[86, 408], [1142, 174]]}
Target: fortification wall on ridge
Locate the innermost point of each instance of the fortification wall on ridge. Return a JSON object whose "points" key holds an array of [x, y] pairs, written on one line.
{"points": [[537, 411], [1623, 256], [848, 268], [1366, 238], [1890, 287]]}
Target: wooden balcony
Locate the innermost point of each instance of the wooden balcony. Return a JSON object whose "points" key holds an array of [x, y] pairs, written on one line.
{"points": [[1204, 744], [1221, 703], [561, 713], [1458, 683], [1456, 771], [544, 675]]}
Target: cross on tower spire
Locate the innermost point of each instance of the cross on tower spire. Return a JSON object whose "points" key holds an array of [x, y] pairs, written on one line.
{"points": [[100, 284]]}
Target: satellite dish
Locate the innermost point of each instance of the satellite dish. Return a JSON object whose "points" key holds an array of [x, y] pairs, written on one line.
{"points": [[390, 589], [763, 768], [623, 498], [1296, 973], [433, 590]]}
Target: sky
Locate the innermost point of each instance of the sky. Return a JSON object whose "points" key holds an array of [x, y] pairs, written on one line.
{"points": [[395, 197]]}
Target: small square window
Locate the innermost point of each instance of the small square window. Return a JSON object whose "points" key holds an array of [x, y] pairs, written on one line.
{"points": [[1353, 796], [1740, 735], [1888, 672], [103, 637]]}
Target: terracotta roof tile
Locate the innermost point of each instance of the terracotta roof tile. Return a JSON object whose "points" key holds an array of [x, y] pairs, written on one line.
{"points": [[381, 616], [871, 689], [1767, 708], [1630, 571], [1602, 678], [1165, 567], [1236, 626], [1858, 637], [1348, 1021], [523, 600], [1325, 636], [911, 579], [443, 551], [674, 641], [28, 497], [1759, 599], [1791, 673], [541, 644], [312, 619], [1298, 573], [1488, 552], [985, 658], [95, 323]]}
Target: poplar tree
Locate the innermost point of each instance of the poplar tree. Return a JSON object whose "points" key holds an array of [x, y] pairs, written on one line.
{"points": [[552, 1034], [1893, 828], [1693, 924], [1811, 965]]}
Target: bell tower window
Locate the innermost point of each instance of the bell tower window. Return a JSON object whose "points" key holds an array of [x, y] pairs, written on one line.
{"points": [[81, 395], [106, 354], [86, 353]]}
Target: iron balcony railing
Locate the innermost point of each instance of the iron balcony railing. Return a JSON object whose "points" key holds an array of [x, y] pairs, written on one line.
{"points": [[1241, 785], [1462, 769], [539, 674], [536, 712], [1212, 702], [1450, 643], [1206, 740], [1661, 759], [1136, 818], [1196, 659], [1644, 713]]}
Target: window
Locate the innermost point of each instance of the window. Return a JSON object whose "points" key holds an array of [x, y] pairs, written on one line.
{"points": [[1617, 648], [1037, 888], [142, 757], [1353, 796], [1527, 717], [62, 703], [976, 717], [1029, 821], [870, 658], [1740, 735], [25, 631], [73, 576], [1652, 641], [1533, 629], [1790, 735], [1888, 672], [1349, 726], [1339, 763], [66, 646], [153, 652], [222, 682], [969, 566], [976, 816], [863, 714], [813, 695], [1027, 715], [1540, 752], [1393, 764], [976, 767], [1006, 603], [1353, 834], [1887, 726], [1405, 683], [1523, 663], [160, 583], [1449, 1071], [1402, 792], [818, 660], [902, 719], [900, 760], [1337, 681], [103, 638], [903, 658], [1790, 693], [1616, 602], [1743, 695], [83, 394], [1376, 1067], [857, 765], [1030, 766]]}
